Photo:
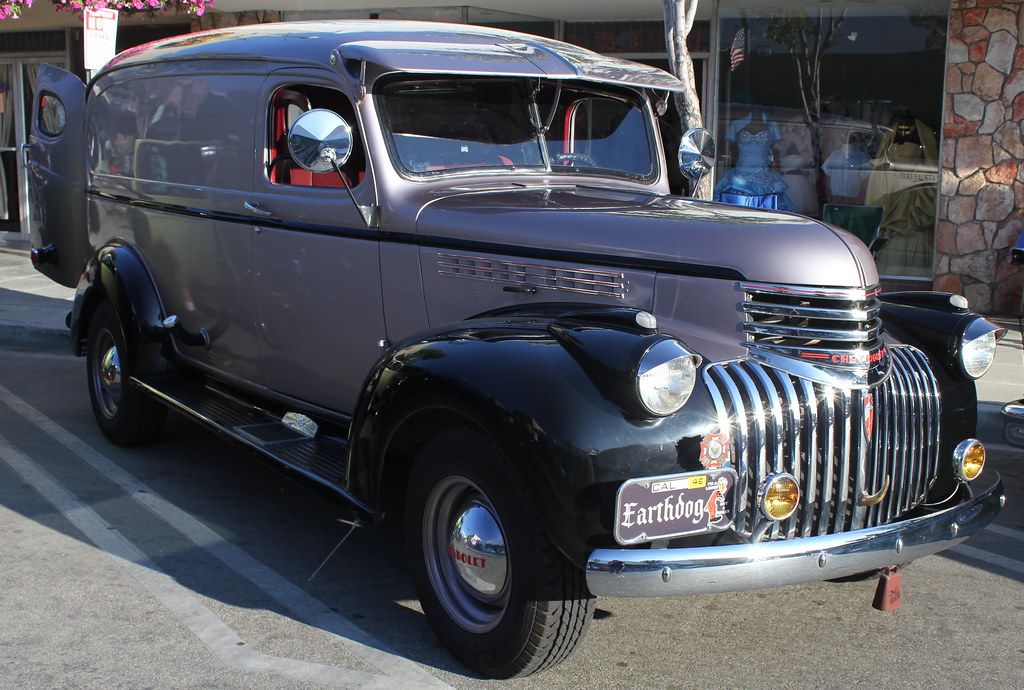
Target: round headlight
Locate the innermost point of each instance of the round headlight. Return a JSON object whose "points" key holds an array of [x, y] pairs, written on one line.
{"points": [[778, 496], [969, 459], [977, 355], [666, 376], [978, 347]]}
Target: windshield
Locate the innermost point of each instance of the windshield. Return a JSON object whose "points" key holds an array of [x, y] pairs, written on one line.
{"points": [[439, 126]]}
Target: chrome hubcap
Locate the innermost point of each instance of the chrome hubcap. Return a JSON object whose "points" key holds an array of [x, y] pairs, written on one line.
{"points": [[108, 377], [466, 556], [477, 547]]}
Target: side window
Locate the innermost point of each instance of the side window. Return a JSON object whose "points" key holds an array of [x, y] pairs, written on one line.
{"points": [[114, 130], [178, 130], [285, 106], [52, 115]]}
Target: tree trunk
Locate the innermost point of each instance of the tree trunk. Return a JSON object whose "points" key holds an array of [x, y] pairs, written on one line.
{"points": [[679, 15]]}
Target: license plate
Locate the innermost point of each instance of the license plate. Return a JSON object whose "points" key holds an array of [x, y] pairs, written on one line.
{"points": [[674, 505]]}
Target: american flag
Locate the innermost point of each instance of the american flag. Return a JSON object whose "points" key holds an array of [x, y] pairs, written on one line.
{"points": [[737, 50]]}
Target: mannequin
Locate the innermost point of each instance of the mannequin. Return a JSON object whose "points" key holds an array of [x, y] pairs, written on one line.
{"points": [[904, 182], [752, 182], [849, 167]]}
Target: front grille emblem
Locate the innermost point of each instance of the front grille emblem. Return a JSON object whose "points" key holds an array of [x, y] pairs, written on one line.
{"points": [[869, 416], [714, 450]]}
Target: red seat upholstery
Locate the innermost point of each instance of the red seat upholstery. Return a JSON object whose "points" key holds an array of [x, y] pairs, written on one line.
{"points": [[304, 177], [288, 105], [282, 167]]}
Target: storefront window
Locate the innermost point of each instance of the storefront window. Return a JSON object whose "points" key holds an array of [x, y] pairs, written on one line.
{"points": [[632, 38], [834, 112]]}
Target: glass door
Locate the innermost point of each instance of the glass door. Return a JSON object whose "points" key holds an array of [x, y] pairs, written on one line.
{"points": [[17, 86], [10, 218]]}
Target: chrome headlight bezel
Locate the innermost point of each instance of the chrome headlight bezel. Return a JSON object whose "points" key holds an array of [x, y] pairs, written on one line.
{"points": [[772, 483], [976, 347], [965, 454], [665, 376]]}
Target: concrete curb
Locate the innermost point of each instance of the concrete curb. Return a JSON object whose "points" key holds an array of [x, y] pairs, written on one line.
{"points": [[16, 336]]}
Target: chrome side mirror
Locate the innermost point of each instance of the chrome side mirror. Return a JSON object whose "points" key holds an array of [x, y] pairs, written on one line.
{"points": [[696, 153], [320, 139]]}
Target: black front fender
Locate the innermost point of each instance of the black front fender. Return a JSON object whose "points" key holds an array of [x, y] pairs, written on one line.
{"points": [[572, 440], [935, 322]]}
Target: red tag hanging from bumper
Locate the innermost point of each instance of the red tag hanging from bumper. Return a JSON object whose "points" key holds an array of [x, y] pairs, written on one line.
{"points": [[889, 591]]}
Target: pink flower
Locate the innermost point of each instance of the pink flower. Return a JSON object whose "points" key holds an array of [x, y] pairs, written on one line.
{"points": [[150, 8]]}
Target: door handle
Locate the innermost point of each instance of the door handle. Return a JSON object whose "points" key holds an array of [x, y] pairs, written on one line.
{"points": [[24, 154], [254, 206]]}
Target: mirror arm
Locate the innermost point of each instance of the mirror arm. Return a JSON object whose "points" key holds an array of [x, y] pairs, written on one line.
{"points": [[368, 213]]}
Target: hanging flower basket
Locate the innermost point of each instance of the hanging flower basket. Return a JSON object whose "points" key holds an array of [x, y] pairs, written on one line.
{"points": [[11, 9]]}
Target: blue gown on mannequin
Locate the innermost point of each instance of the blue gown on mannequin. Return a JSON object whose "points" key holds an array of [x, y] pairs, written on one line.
{"points": [[752, 176]]}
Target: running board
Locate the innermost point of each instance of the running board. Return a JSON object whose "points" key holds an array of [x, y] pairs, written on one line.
{"points": [[321, 459]]}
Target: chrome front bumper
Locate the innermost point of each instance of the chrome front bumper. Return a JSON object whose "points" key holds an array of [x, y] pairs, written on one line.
{"points": [[738, 567]]}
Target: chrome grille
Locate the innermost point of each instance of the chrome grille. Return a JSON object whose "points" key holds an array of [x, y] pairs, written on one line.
{"points": [[839, 443], [810, 323]]}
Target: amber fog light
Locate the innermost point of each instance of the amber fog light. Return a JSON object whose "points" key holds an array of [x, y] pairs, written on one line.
{"points": [[778, 496], [969, 459]]}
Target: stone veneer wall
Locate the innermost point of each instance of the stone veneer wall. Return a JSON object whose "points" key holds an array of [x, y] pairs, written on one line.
{"points": [[981, 184]]}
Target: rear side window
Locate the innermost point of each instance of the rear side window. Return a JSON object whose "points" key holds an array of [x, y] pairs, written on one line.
{"points": [[52, 115], [193, 130]]}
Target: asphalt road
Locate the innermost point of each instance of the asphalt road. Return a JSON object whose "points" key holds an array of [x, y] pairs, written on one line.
{"points": [[186, 564]]}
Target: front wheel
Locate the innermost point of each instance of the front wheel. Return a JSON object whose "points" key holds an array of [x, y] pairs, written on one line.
{"points": [[125, 414], [494, 588]]}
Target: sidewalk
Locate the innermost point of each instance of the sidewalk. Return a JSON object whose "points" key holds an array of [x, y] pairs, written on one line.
{"points": [[33, 311], [32, 307]]}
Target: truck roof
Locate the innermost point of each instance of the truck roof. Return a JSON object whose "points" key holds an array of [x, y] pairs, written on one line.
{"points": [[401, 46]]}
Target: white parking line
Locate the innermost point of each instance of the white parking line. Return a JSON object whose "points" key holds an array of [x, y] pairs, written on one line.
{"points": [[213, 632], [990, 558], [1008, 532]]}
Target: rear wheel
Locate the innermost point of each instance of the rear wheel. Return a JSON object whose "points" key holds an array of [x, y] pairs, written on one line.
{"points": [[495, 589], [124, 413]]}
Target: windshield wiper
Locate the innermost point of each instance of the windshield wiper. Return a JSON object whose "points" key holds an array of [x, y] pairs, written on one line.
{"points": [[554, 106], [538, 129]]}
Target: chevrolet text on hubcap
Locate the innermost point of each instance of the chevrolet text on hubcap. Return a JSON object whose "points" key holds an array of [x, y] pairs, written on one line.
{"points": [[465, 553]]}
